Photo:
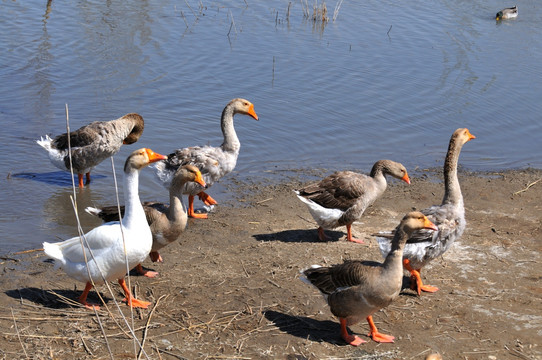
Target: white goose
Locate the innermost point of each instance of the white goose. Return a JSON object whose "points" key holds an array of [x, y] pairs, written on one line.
{"points": [[103, 253], [213, 162], [92, 143], [342, 197], [425, 245], [167, 222]]}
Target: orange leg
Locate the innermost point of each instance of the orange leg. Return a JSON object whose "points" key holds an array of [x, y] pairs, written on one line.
{"points": [[131, 301], [191, 212], [322, 235], [88, 178], [206, 198], [80, 177], [350, 339], [83, 298], [375, 335], [349, 235], [155, 256], [416, 282], [147, 273]]}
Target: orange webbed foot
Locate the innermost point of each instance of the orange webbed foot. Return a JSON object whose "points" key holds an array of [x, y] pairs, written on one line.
{"points": [[381, 338], [349, 236], [358, 241], [195, 215], [206, 198], [148, 273], [353, 340], [135, 303], [429, 288], [90, 306]]}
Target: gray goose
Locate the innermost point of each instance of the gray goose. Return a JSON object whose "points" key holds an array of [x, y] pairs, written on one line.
{"points": [[213, 162], [342, 197], [92, 144], [423, 246], [355, 290], [167, 222]]}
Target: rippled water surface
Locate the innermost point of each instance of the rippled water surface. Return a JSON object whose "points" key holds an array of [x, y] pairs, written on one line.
{"points": [[386, 79]]}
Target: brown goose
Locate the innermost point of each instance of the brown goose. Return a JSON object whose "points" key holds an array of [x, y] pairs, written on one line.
{"points": [[167, 222], [92, 144], [423, 246], [355, 290], [213, 162], [342, 197]]}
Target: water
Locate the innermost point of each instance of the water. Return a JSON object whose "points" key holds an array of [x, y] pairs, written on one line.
{"points": [[387, 79]]}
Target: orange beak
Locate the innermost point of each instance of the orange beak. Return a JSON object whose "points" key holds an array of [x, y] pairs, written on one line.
{"points": [[427, 224], [470, 135], [252, 113], [154, 157], [406, 179], [199, 180]]}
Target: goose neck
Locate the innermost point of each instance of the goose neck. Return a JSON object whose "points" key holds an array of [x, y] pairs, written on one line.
{"points": [[133, 208], [377, 173], [452, 190], [397, 245], [231, 142]]}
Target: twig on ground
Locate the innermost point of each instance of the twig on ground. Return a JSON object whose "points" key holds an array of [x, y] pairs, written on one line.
{"points": [[143, 338], [87, 349], [18, 335], [26, 251], [262, 201], [528, 186]]}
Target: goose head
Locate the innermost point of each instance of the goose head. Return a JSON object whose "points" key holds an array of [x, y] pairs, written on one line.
{"points": [[395, 169], [140, 158], [415, 220], [187, 173], [242, 106], [137, 130], [462, 136]]}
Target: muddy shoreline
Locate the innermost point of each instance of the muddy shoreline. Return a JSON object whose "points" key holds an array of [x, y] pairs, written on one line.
{"points": [[229, 289]]}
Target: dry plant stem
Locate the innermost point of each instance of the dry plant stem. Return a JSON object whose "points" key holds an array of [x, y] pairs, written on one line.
{"points": [[528, 187], [27, 251], [143, 338], [103, 333], [336, 11], [18, 335], [87, 349]]}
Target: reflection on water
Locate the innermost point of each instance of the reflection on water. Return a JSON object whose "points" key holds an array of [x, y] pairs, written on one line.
{"points": [[387, 79], [58, 211]]}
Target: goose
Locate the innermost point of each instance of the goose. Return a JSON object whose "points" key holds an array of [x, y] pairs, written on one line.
{"points": [[167, 222], [92, 144], [507, 13], [213, 162], [342, 197], [103, 254], [424, 246], [355, 290]]}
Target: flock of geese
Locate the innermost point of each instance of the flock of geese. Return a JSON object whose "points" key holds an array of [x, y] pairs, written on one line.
{"points": [[354, 290]]}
